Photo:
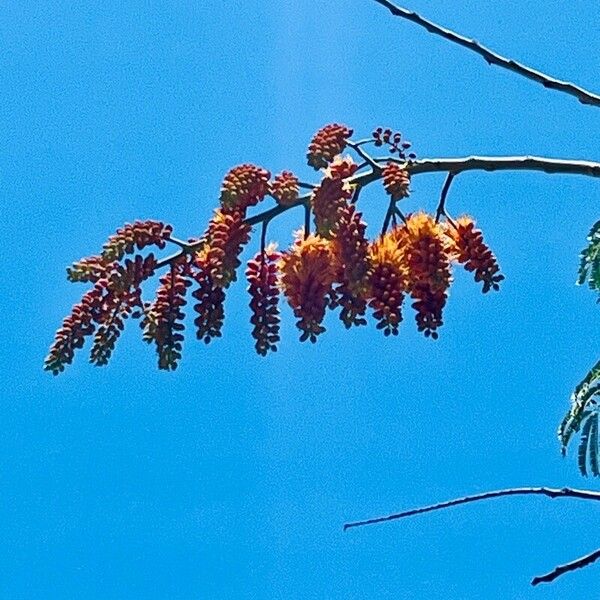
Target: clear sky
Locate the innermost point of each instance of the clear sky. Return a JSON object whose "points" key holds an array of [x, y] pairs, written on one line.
{"points": [[232, 477]]}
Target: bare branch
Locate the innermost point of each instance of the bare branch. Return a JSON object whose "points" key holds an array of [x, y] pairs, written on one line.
{"points": [[357, 147], [584, 96], [441, 209], [499, 163], [584, 561], [524, 491]]}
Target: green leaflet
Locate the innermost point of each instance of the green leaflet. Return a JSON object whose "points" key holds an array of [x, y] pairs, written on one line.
{"points": [[593, 446], [583, 415], [589, 266], [586, 445]]}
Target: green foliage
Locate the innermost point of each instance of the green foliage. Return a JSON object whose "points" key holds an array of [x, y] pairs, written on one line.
{"points": [[589, 266], [583, 415]]}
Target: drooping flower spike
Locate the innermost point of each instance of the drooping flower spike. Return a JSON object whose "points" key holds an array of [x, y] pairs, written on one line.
{"points": [[472, 252], [307, 277]]}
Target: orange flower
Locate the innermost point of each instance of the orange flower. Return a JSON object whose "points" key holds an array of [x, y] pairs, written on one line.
{"points": [[387, 284], [163, 322], [210, 299], [326, 144], [426, 255], [262, 277], [471, 251], [396, 181], [307, 277], [342, 167], [329, 200], [243, 186], [285, 188], [215, 269], [225, 237], [350, 249]]}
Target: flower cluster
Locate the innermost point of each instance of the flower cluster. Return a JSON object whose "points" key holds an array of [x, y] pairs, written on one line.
{"points": [[394, 141], [244, 186], [307, 277], [326, 144], [126, 240], [262, 275], [215, 268], [396, 181], [87, 270], [163, 318], [328, 202], [472, 252], [428, 271], [285, 188], [337, 267], [135, 235], [387, 289], [112, 299], [341, 167], [350, 249]]}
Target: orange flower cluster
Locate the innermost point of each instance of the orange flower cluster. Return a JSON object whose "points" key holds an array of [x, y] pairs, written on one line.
{"points": [[396, 181], [387, 283], [122, 296], [307, 277], [342, 167], [350, 249], [428, 271], [284, 188], [215, 269], [127, 239], [329, 201], [473, 253], [262, 275], [326, 144], [163, 319], [75, 328], [337, 267], [112, 299], [135, 235], [87, 270], [244, 186]]}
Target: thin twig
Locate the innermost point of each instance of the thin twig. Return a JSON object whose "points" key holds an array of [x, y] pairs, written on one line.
{"points": [[400, 214], [364, 155], [263, 238], [524, 491], [306, 186], [306, 219], [584, 96], [441, 209], [388, 216], [584, 561]]}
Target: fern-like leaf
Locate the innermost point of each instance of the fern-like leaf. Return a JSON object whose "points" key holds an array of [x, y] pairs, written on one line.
{"points": [[589, 265], [584, 443], [593, 446], [583, 412]]}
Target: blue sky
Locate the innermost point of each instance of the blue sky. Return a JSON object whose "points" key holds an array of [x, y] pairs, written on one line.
{"points": [[232, 477]]}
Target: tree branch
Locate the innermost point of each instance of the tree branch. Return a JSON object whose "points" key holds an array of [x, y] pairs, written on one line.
{"points": [[584, 96], [584, 561], [524, 491], [499, 163], [431, 165]]}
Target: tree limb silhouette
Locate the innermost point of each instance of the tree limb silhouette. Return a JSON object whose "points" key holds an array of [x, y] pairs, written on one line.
{"points": [[493, 58]]}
